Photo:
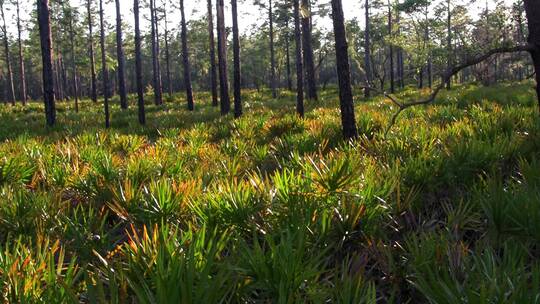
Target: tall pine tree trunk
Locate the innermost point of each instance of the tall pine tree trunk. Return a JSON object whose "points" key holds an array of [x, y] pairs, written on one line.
{"points": [[3, 89], [167, 55], [429, 61], [93, 78], [225, 102], [120, 58], [213, 68], [73, 65], [104, 65], [138, 65], [348, 121], [158, 54], [63, 74], [367, 51], [299, 61], [22, 72], [288, 53], [47, 60], [532, 10], [185, 60], [400, 63], [11, 87], [308, 51], [155, 69], [391, 48], [449, 42], [236, 54], [56, 82], [273, 85]]}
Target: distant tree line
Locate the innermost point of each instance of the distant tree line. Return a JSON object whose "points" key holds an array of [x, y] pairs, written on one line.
{"points": [[65, 54]]}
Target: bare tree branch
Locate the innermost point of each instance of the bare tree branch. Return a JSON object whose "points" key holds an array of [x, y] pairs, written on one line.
{"points": [[445, 77]]}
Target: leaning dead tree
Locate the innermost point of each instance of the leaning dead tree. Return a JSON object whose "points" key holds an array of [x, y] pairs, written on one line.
{"points": [[403, 105], [532, 10]]}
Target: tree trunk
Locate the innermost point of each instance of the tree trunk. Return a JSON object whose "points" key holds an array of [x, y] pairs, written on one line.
{"points": [[449, 42], [288, 55], [213, 69], [56, 82], [237, 71], [73, 65], [3, 89], [348, 121], [299, 61], [121, 59], [167, 55], [104, 65], [11, 87], [158, 54], [185, 60], [93, 83], [429, 61], [46, 57], [532, 10], [308, 51], [391, 48], [400, 63], [155, 70], [367, 53], [272, 51], [21, 58], [138, 65], [65, 87], [225, 102]]}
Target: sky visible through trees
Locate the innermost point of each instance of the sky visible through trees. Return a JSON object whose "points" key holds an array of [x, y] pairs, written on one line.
{"points": [[249, 14]]}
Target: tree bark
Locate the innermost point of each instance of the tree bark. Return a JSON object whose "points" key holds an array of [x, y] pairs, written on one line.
{"points": [[104, 65], [348, 121], [158, 54], [63, 74], [120, 58], [93, 83], [429, 61], [236, 54], [273, 85], [288, 55], [24, 95], [391, 48], [299, 61], [225, 103], [138, 64], [532, 10], [367, 53], [11, 87], [400, 63], [167, 55], [57, 82], [308, 51], [47, 58], [155, 76], [3, 89], [449, 42], [185, 60], [213, 68], [73, 65]]}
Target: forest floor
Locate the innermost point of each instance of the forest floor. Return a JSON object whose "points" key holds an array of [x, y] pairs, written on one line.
{"points": [[199, 208]]}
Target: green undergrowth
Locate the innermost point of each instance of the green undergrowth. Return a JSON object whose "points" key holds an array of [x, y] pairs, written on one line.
{"points": [[271, 208]]}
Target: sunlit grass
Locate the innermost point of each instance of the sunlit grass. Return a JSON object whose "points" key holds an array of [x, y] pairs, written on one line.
{"points": [[199, 208]]}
